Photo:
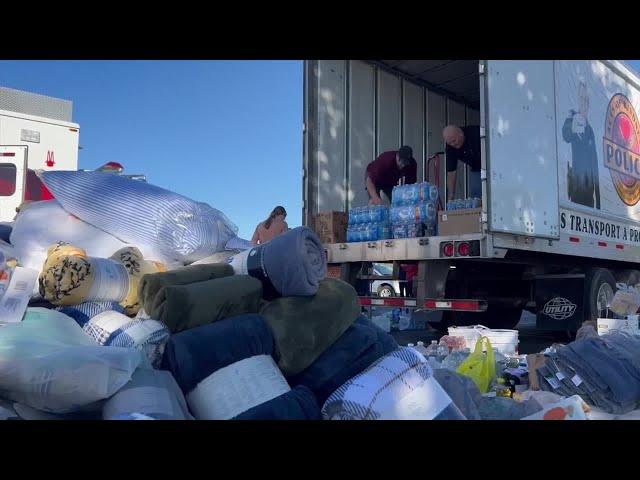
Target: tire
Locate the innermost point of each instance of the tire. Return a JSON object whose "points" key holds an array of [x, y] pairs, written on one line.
{"points": [[386, 291], [600, 287]]}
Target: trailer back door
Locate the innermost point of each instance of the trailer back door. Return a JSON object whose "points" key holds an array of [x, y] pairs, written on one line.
{"points": [[521, 156]]}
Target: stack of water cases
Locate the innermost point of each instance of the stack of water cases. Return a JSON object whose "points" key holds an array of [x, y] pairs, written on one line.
{"points": [[369, 224], [464, 203], [413, 211]]}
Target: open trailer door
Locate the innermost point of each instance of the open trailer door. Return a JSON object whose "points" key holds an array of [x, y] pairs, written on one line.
{"points": [[521, 167]]}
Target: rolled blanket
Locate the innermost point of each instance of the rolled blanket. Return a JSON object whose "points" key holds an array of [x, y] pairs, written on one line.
{"points": [[116, 330], [70, 277], [42, 224], [297, 404], [362, 344], [86, 311], [182, 307], [227, 371], [151, 284], [399, 386], [141, 213], [193, 355], [220, 257], [153, 393], [291, 264], [304, 327]]}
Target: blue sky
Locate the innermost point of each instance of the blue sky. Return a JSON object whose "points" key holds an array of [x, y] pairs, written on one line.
{"points": [[228, 133]]}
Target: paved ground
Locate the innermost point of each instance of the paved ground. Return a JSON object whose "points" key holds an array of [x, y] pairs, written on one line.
{"points": [[531, 340]]}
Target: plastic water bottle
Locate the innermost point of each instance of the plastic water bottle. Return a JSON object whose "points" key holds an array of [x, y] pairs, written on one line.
{"points": [[430, 213], [442, 352], [432, 349], [399, 231], [455, 359], [422, 349]]}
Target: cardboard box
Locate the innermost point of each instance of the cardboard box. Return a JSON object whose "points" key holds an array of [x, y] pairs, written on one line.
{"points": [[459, 222], [331, 227]]}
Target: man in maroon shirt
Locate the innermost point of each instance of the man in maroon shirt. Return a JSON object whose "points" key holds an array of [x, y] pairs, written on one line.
{"points": [[385, 171]]}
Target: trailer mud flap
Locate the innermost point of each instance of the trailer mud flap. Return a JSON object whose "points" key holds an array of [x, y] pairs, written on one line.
{"points": [[560, 300]]}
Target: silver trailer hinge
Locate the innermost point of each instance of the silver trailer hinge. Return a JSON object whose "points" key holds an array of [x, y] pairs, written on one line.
{"points": [[483, 132], [481, 68], [483, 174], [484, 218]]}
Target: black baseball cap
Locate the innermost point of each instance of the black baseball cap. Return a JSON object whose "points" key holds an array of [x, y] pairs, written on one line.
{"points": [[405, 154]]}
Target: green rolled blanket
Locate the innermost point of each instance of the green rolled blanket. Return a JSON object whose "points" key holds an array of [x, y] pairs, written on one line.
{"points": [[182, 307], [304, 327], [150, 285]]}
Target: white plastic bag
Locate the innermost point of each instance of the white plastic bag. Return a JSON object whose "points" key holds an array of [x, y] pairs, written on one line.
{"points": [[626, 300], [47, 362]]}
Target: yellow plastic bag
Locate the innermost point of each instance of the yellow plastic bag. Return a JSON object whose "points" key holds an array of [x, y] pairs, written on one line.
{"points": [[479, 367]]}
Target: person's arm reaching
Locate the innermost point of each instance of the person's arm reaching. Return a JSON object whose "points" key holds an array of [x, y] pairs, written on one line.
{"points": [[451, 184], [371, 188]]}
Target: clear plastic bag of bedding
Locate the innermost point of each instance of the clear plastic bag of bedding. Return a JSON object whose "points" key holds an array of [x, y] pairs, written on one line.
{"points": [[626, 300], [142, 214]]}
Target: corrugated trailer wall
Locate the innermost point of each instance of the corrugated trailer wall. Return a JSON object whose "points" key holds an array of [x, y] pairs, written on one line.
{"points": [[353, 112]]}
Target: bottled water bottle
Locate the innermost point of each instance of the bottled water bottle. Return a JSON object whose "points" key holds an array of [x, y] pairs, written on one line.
{"points": [[433, 193], [422, 349], [455, 359], [430, 213], [442, 352], [399, 231], [352, 216], [432, 350], [368, 232], [350, 234]]}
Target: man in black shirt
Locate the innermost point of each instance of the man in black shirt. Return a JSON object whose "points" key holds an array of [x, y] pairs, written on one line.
{"points": [[463, 144]]}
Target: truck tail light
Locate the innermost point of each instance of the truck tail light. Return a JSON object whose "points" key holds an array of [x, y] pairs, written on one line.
{"points": [[447, 249], [464, 249]]}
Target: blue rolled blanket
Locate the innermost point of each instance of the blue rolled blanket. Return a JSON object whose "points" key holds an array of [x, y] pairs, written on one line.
{"points": [[291, 264], [361, 345]]}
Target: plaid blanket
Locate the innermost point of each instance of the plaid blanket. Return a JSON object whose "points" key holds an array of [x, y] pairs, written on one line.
{"points": [[117, 330], [399, 386], [86, 311]]}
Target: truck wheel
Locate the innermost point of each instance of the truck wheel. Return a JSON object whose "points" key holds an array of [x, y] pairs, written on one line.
{"points": [[601, 285], [386, 291]]}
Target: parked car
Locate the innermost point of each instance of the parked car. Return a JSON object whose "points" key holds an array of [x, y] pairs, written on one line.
{"points": [[385, 288]]}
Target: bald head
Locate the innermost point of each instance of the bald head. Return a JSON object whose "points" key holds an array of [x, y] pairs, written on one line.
{"points": [[453, 136]]}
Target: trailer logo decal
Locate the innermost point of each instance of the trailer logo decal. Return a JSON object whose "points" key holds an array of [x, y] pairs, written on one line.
{"points": [[51, 161], [622, 148], [559, 308]]}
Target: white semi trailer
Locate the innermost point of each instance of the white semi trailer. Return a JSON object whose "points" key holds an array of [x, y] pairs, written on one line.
{"points": [[560, 216]]}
